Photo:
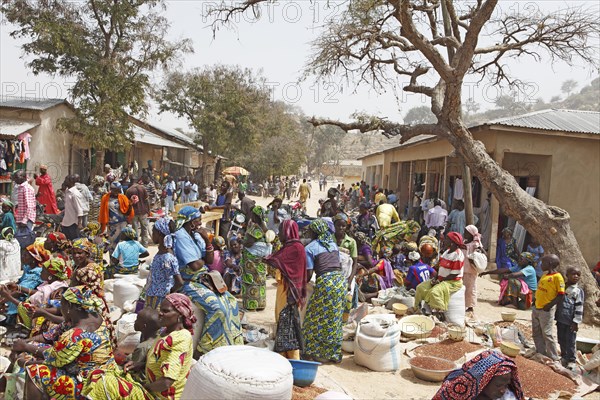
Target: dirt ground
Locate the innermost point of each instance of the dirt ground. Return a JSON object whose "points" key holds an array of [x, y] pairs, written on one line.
{"points": [[362, 383]]}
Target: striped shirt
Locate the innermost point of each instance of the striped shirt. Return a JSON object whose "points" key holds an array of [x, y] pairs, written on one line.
{"points": [[25, 204], [452, 263], [570, 309]]}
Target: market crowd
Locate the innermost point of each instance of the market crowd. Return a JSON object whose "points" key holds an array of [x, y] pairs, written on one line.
{"points": [[55, 286]]}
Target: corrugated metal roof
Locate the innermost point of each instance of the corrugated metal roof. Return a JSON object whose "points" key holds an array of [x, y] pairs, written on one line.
{"points": [[29, 103], [176, 135], [11, 127], [144, 136], [574, 121]]}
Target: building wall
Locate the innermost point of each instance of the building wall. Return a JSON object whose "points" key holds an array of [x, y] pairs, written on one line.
{"points": [[573, 182], [372, 171]]}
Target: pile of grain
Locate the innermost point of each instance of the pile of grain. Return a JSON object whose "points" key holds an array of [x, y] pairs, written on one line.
{"points": [[437, 331], [432, 364], [307, 393], [539, 380], [447, 349]]}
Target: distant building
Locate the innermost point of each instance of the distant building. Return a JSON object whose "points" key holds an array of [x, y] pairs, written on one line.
{"points": [[552, 153]]}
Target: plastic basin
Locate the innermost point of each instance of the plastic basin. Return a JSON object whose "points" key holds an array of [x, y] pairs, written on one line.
{"points": [[304, 372]]}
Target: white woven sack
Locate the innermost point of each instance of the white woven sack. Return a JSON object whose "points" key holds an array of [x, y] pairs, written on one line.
{"points": [[378, 353], [124, 290], [456, 308], [479, 261], [240, 372], [346, 263], [377, 325]]}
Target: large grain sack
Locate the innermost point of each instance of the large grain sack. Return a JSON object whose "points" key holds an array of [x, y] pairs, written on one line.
{"points": [[240, 372], [123, 291], [456, 308], [377, 343]]}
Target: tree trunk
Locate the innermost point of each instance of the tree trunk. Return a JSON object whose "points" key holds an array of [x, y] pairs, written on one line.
{"points": [[548, 224], [99, 167]]}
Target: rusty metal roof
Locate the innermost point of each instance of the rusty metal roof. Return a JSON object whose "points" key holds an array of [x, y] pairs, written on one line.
{"points": [[30, 103], [574, 121]]}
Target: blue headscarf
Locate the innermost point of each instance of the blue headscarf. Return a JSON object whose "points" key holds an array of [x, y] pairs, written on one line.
{"points": [[321, 229], [162, 225], [187, 214]]}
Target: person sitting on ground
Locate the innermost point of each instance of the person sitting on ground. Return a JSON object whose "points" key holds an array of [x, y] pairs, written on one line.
{"points": [[218, 263], [148, 324], [518, 283], [365, 253], [422, 270], [164, 270], [8, 216], [126, 257], [58, 245], [99, 242], [63, 371], [488, 376], [366, 222], [436, 292], [167, 364], [398, 259], [382, 272], [506, 251]]}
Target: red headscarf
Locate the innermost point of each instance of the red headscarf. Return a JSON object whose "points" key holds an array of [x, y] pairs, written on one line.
{"points": [[291, 261], [183, 305], [456, 238]]}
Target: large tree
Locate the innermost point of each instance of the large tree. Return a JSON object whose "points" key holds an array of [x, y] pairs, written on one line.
{"points": [[434, 45], [108, 47]]}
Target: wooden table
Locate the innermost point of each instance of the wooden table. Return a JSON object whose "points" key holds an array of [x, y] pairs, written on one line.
{"points": [[207, 216]]}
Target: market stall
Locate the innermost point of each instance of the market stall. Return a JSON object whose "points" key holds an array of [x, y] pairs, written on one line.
{"points": [[14, 150]]}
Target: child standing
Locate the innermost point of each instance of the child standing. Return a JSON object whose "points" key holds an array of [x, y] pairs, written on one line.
{"points": [[550, 292], [569, 314], [164, 270]]}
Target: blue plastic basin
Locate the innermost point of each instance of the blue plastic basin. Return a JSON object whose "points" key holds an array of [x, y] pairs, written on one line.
{"points": [[304, 372]]}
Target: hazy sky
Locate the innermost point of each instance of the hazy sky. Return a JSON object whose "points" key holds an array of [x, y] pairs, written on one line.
{"points": [[278, 43]]}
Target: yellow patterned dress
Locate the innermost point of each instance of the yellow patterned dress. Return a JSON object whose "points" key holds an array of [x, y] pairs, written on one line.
{"points": [[171, 357], [70, 360]]}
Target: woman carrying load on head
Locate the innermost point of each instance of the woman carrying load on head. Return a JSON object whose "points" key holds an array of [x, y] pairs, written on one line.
{"points": [[322, 328]]}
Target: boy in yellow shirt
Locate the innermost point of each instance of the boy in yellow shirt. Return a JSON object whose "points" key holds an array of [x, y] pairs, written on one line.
{"points": [[550, 291]]}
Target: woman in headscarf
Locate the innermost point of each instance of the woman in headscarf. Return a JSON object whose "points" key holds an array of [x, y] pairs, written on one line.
{"points": [[436, 292], [365, 253], [8, 217], [57, 244], [99, 243], [116, 211], [64, 368], [126, 257], [89, 274], [290, 265], [254, 269], [488, 376], [506, 251], [518, 283], [167, 364], [322, 328], [164, 270], [472, 244]]}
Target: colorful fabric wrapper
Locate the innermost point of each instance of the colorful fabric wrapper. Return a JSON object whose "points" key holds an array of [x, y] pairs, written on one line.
{"points": [[38, 252], [321, 229], [261, 212], [255, 232], [83, 244], [456, 238], [93, 228], [530, 257], [129, 233], [7, 233], [219, 241], [84, 298], [187, 214], [162, 225], [58, 268]]}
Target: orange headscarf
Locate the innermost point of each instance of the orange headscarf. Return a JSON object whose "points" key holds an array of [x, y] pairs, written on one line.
{"points": [[124, 206]]}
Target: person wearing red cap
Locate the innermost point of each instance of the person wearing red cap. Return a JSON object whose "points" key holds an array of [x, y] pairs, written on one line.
{"points": [[436, 292]]}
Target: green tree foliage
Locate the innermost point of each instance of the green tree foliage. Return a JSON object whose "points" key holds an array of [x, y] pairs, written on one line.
{"points": [[107, 47], [323, 144], [231, 109]]}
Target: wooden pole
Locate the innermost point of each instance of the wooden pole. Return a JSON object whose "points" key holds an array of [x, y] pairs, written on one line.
{"points": [[468, 196]]}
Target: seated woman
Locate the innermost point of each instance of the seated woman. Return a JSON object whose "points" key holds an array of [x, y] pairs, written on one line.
{"points": [[382, 274], [57, 244], [365, 253], [489, 376], [62, 371], [126, 257], [519, 282], [99, 242], [506, 251], [167, 363], [421, 271], [436, 292]]}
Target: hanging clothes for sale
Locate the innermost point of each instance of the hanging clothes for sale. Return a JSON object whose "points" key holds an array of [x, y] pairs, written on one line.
{"points": [[25, 138], [459, 191]]}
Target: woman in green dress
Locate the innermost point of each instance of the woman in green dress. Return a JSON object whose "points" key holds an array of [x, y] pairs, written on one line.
{"points": [[254, 270]]}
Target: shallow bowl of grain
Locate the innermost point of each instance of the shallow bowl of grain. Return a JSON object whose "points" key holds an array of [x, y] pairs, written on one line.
{"points": [[457, 333], [377, 302], [416, 326], [510, 349], [400, 309], [431, 369], [509, 316]]}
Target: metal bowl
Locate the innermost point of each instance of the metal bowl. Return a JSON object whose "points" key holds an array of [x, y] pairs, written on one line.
{"points": [[430, 375]]}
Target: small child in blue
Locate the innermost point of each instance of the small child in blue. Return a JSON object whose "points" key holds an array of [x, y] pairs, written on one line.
{"points": [[569, 314], [537, 250], [164, 277], [31, 278], [126, 257]]}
